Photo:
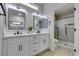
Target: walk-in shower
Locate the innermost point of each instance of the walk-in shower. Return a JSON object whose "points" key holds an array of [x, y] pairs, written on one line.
{"points": [[64, 26]]}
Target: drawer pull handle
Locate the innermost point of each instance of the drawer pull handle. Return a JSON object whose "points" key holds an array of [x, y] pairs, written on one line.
{"points": [[35, 43], [35, 50], [34, 37]]}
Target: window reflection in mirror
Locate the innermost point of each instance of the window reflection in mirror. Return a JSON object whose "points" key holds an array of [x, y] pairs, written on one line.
{"points": [[35, 22]]}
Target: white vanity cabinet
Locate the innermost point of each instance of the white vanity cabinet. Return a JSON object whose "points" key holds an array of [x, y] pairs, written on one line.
{"points": [[16, 46], [44, 42], [25, 45], [38, 43]]}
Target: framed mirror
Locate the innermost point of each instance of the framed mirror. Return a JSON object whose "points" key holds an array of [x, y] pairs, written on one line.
{"points": [[16, 19], [43, 23], [39, 22]]}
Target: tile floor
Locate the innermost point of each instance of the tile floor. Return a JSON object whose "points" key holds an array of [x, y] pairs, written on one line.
{"points": [[60, 51]]}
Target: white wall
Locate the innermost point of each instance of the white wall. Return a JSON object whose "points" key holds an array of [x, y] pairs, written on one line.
{"points": [[1, 32], [40, 7], [48, 10]]}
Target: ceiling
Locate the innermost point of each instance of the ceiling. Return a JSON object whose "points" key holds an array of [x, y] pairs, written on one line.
{"points": [[60, 8], [65, 9], [41, 4]]}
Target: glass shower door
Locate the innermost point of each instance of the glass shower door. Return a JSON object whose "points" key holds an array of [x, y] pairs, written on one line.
{"points": [[66, 29], [62, 34]]}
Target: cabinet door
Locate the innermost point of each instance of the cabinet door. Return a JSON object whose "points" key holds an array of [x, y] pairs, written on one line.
{"points": [[11, 46], [14, 49], [24, 46], [43, 42]]}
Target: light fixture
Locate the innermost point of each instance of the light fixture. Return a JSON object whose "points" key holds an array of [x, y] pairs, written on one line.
{"points": [[16, 23], [30, 5]]}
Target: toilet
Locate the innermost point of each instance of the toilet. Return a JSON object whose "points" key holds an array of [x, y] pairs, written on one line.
{"points": [[56, 43]]}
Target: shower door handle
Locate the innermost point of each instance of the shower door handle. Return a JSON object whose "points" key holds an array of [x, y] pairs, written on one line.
{"points": [[65, 30]]}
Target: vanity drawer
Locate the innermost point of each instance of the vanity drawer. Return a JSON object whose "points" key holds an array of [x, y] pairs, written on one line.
{"points": [[36, 43], [13, 40], [34, 38], [34, 50], [45, 36]]}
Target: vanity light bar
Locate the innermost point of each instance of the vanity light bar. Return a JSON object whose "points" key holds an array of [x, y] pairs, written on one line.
{"points": [[30, 5], [17, 23]]}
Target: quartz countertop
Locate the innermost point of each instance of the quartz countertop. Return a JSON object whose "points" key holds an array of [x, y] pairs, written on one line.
{"points": [[25, 34]]}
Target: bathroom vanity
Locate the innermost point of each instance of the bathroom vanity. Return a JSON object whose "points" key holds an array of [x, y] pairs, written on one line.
{"points": [[25, 45]]}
